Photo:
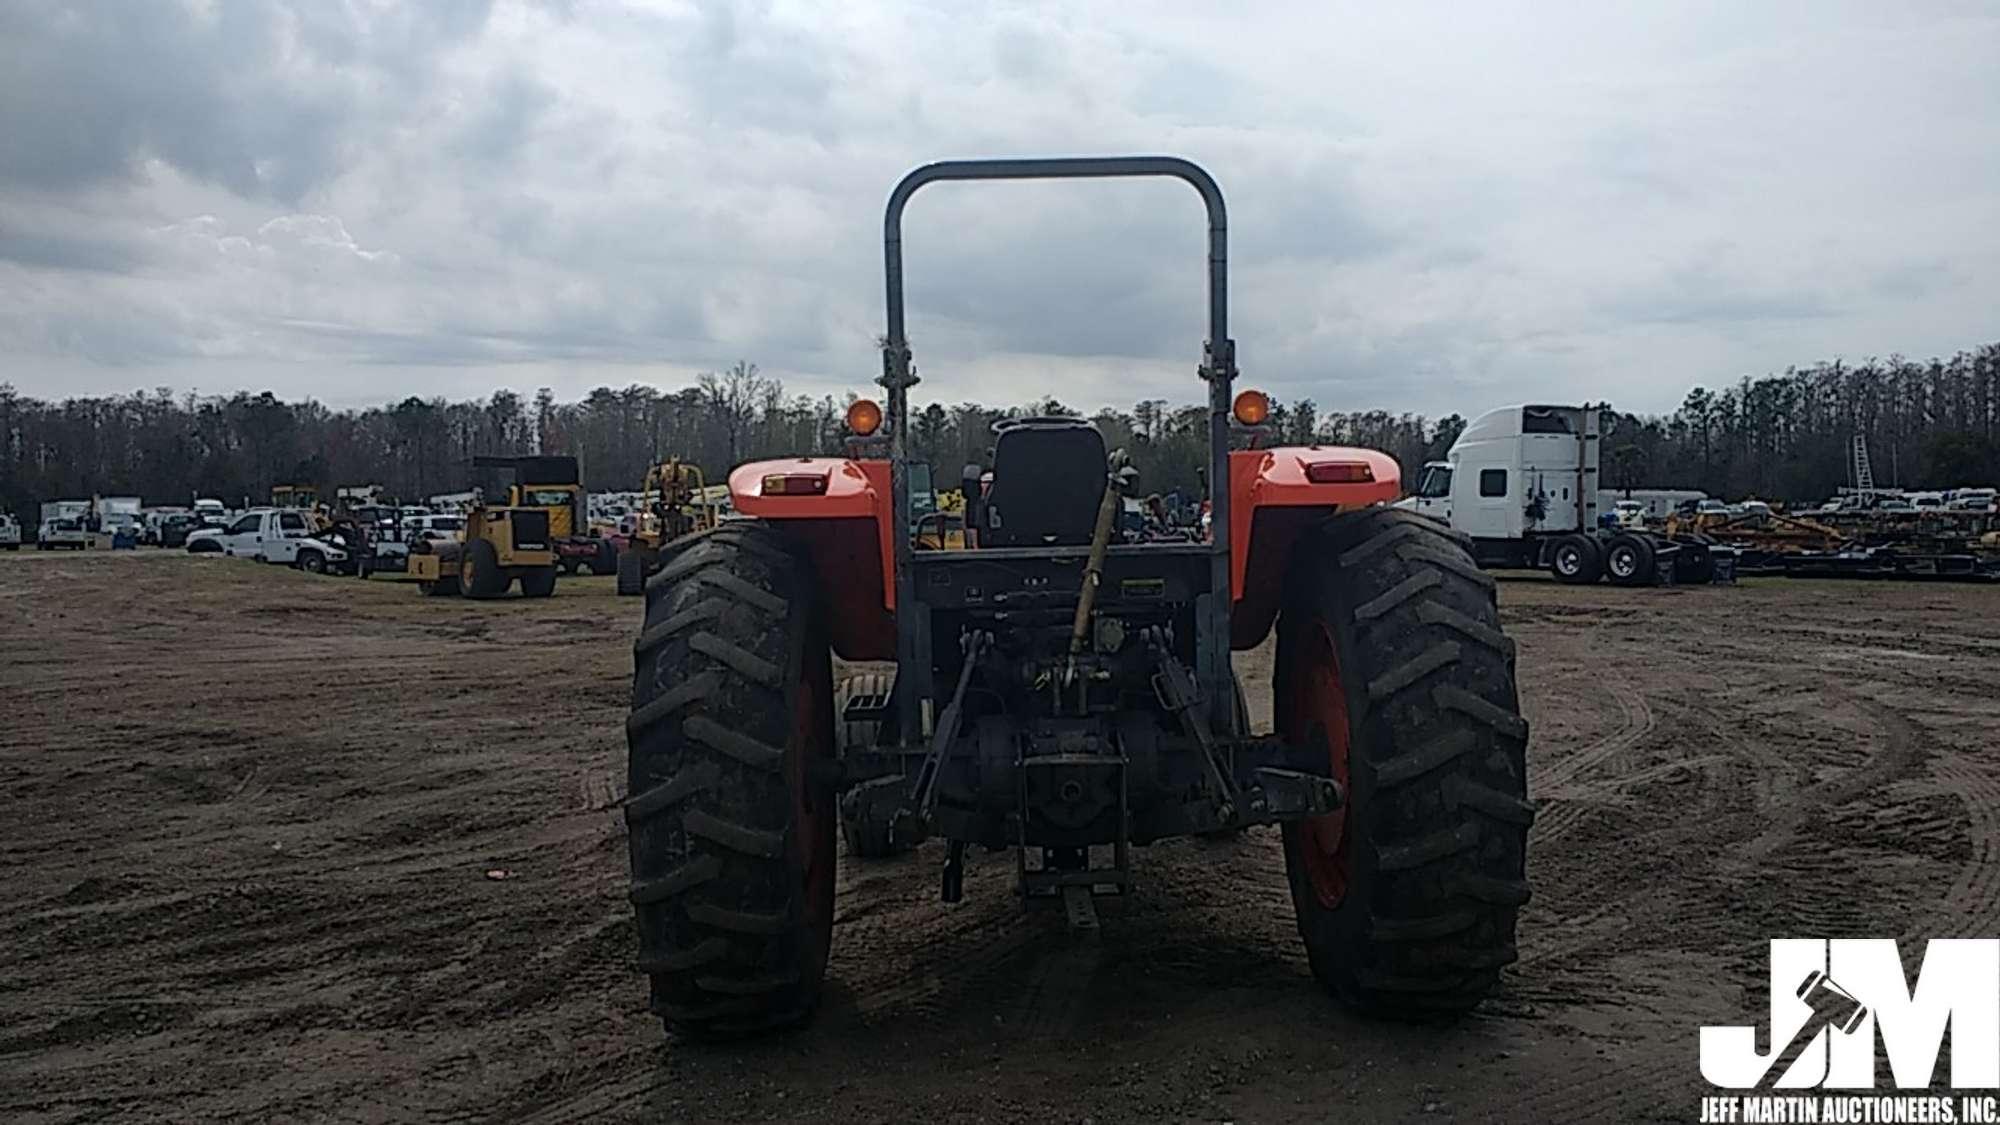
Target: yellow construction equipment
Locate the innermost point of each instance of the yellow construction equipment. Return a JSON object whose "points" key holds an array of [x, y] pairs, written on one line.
{"points": [[674, 501], [500, 543], [301, 496], [552, 484]]}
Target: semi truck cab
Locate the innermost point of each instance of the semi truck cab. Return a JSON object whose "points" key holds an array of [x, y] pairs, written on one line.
{"points": [[1522, 483]]}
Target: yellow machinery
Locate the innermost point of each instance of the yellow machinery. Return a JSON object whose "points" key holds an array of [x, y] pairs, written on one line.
{"points": [[674, 501], [499, 544], [301, 496], [939, 524], [1759, 531], [553, 485]]}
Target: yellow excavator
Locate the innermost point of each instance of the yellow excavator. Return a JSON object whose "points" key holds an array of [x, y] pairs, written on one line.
{"points": [[674, 501]]}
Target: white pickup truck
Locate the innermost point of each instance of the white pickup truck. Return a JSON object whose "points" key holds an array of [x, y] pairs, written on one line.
{"points": [[273, 535]]}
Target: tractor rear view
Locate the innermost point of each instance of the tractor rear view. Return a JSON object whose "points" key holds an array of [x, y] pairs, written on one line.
{"points": [[1063, 688]]}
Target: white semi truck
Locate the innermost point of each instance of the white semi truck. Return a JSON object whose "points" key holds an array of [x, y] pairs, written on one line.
{"points": [[1522, 482]]}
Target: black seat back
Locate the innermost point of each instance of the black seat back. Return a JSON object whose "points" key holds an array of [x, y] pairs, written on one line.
{"points": [[1048, 479]]}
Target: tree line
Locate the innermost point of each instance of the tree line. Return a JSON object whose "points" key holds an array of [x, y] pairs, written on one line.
{"points": [[1933, 423]]}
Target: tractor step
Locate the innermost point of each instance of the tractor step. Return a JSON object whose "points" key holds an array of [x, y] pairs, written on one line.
{"points": [[866, 709]]}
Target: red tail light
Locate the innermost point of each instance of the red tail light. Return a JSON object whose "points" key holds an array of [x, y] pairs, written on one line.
{"points": [[1339, 472], [795, 484]]}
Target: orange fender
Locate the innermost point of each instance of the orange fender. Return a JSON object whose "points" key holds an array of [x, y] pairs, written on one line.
{"points": [[847, 529], [1272, 498]]}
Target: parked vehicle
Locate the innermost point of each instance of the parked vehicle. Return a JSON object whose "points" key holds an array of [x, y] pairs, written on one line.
{"points": [[119, 517], [273, 535], [1064, 692], [418, 530], [433, 527], [64, 525], [671, 502], [1973, 500], [501, 543], [1522, 483], [174, 528], [551, 484], [67, 531], [10, 532]]}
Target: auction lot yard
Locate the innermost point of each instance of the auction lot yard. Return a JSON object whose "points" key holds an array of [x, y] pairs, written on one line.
{"points": [[278, 847]]}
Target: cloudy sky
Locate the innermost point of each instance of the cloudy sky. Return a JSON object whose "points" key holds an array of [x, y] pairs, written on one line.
{"points": [[1434, 207]]}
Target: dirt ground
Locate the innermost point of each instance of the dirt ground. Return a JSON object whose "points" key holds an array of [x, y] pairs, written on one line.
{"points": [[284, 848]]}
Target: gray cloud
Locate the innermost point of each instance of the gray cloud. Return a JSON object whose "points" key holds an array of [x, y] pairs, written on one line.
{"points": [[1430, 210], [260, 98]]}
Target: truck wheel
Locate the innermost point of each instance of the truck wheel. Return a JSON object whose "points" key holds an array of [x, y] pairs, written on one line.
{"points": [[480, 575], [731, 815], [1629, 561], [605, 561], [1576, 560], [631, 572], [867, 837], [1694, 564], [538, 582], [1390, 656], [312, 562]]}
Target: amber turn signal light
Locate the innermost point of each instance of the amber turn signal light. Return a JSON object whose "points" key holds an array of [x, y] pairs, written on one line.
{"points": [[864, 417], [795, 484], [1339, 472], [1252, 408]]}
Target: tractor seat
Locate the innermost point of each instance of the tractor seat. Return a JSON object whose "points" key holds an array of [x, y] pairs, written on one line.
{"points": [[1048, 480]]}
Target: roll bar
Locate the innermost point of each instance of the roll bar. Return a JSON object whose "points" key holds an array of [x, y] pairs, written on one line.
{"points": [[1218, 367]]}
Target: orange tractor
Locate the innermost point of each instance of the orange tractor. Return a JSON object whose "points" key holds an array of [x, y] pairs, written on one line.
{"points": [[1065, 690]]}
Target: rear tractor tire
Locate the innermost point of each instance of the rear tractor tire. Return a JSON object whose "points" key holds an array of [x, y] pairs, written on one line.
{"points": [[732, 815], [1390, 655]]}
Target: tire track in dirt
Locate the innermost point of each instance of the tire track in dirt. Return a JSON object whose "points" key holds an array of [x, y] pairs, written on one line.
{"points": [[1971, 908], [1564, 796], [1631, 922]]}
